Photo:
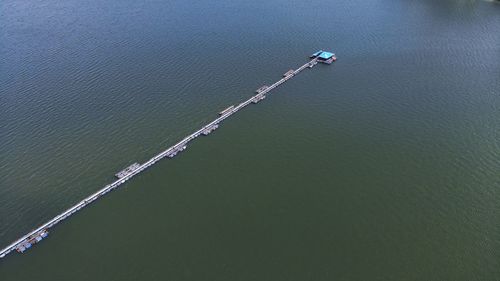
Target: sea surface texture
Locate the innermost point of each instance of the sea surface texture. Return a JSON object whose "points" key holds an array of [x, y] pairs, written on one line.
{"points": [[383, 166]]}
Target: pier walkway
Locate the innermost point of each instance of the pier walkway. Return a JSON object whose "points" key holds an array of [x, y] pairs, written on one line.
{"points": [[41, 232]]}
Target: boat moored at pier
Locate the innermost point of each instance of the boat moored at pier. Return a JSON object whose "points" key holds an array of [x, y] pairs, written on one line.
{"points": [[32, 240]]}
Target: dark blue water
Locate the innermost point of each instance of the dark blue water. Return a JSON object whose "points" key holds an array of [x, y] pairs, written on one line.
{"points": [[383, 166]]}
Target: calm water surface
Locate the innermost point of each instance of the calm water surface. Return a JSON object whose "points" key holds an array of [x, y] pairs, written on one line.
{"points": [[384, 166]]}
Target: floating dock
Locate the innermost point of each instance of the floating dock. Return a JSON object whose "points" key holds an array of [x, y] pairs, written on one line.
{"points": [[226, 110], [261, 89], [127, 171], [209, 129], [41, 232], [258, 98], [288, 73]]}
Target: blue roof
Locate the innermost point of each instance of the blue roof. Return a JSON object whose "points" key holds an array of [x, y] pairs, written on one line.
{"points": [[317, 53], [326, 55]]}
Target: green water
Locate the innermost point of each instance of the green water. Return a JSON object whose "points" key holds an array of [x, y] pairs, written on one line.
{"points": [[383, 166]]}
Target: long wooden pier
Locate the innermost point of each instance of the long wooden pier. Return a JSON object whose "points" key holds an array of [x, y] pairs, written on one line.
{"points": [[36, 235]]}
